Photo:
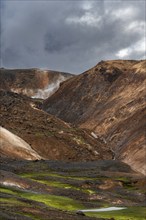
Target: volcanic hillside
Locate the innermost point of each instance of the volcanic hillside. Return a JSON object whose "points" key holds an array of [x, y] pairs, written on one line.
{"points": [[32, 82], [14, 147], [50, 137], [108, 99]]}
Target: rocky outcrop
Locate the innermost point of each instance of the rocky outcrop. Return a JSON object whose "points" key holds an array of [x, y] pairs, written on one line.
{"points": [[32, 82], [108, 99]]}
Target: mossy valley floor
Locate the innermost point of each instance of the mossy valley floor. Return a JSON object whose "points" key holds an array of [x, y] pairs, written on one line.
{"points": [[57, 190]]}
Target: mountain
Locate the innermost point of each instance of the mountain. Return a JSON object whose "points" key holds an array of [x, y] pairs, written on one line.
{"points": [[108, 99], [49, 136], [32, 82], [55, 169]]}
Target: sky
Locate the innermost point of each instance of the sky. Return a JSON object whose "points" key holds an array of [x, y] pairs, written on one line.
{"points": [[70, 35]]}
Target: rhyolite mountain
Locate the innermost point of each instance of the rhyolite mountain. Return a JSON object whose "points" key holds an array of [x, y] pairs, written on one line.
{"points": [[11, 146], [32, 82], [109, 100]]}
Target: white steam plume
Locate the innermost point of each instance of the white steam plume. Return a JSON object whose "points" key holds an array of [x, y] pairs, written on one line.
{"points": [[50, 89]]}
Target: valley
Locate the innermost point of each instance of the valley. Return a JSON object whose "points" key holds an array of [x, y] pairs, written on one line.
{"points": [[78, 148], [41, 189]]}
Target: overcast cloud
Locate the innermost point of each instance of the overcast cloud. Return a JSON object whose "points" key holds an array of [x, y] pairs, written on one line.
{"points": [[71, 36]]}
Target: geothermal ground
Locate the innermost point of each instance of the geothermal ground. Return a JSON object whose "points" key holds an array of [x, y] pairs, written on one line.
{"points": [[79, 154]]}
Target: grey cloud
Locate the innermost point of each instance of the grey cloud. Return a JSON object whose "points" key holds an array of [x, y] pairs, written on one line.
{"points": [[70, 36]]}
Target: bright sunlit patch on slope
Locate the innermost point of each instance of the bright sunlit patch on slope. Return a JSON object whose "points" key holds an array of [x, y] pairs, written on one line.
{"points": [[8, 183], [13, 139], [10, 142]]}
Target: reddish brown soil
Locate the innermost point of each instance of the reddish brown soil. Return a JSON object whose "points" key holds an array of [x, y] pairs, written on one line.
{"points": [[28, 81], [107, 103], [50, 137], [108, 99]]}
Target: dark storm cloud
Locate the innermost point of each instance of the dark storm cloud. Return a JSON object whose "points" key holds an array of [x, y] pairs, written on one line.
{"points": [[71, 35]]}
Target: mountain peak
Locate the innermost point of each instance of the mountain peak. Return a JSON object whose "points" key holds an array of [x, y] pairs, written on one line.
{"points": [[109, 100]]}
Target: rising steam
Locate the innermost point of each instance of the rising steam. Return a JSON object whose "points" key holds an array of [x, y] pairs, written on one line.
{"points": [[50, 89]]}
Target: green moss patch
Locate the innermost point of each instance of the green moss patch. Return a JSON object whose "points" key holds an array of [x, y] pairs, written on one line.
{"points": [[60, 184], [34, 175], [65, 186], [6, 190], [11, 202], [58, 202], [57, 184], [29, 215]]}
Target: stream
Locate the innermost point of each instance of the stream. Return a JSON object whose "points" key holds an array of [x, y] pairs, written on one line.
{"points": [[103, 209]]}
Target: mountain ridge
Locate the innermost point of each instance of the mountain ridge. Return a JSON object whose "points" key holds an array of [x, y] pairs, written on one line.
{"points": [[32, 82], [109, 100]]}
